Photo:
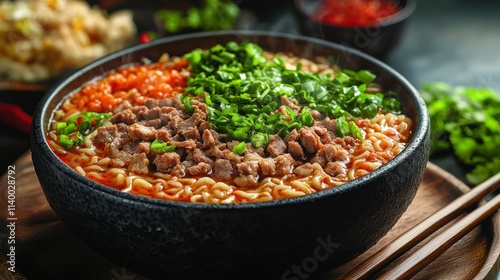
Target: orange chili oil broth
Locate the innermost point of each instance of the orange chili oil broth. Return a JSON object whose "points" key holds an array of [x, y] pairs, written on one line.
{"points": [[354, 12]]}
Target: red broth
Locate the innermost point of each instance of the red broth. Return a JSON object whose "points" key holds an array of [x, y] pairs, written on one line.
{"points": [[354, 12]]}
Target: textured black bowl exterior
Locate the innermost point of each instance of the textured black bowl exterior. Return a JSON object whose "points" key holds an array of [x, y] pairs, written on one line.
{"points": [[285, 239], [375, 40]]}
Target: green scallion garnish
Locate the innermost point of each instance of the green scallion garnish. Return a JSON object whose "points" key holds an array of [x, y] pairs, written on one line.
{"points": [[162, 147], [243, 91], [73, 132]]}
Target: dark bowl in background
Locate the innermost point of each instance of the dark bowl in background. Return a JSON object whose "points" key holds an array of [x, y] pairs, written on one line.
{"points": [[179, 240], [376, 40]]}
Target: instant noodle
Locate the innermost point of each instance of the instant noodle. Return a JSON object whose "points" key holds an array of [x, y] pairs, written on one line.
{"points": [[231, 124]]}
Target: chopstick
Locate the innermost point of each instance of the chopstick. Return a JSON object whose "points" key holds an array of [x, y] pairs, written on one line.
{"points": [[409, 239], [414, 263]]}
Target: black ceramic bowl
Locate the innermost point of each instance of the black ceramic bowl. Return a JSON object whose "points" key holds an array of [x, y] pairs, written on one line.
{"points": [[178, 240], [376, 40]]}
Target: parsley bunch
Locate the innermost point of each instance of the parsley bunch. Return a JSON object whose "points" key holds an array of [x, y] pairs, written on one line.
{"points": [[466, 120]]}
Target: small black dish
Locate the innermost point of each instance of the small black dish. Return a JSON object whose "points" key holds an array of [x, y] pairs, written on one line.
{"points": [[376, 40]]}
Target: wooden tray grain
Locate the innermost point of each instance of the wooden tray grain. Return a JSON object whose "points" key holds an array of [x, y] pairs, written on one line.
{"points": [[45, 249]]}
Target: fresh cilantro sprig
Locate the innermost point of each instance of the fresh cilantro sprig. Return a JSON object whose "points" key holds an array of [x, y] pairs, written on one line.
{"points": [[466, 120]]}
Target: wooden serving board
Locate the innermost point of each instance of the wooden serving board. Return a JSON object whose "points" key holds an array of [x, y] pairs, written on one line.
{"points": [[45, 249]]}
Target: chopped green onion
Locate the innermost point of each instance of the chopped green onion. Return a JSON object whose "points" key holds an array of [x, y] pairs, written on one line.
{"points": [[365, 76], [71, 140], [244, 90], [305, 117], [239, 148], [73, 132], [160, 146], [186, 100], [64, 141], [355, 131], [60, 127], [342, 127], [259, 139], [70, 128]]}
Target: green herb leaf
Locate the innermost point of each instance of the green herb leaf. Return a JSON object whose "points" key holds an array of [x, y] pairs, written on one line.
{"points": [[465, 120]]}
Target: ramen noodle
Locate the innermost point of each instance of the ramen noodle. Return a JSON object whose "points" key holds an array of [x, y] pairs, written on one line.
{"points": [[146, 141]]}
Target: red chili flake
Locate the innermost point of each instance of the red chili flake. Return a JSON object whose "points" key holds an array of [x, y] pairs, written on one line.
{"points": [[354, 12], [79, 121]]}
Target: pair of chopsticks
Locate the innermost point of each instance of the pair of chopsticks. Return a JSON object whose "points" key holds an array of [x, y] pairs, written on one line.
{"points": [[411, 265]]}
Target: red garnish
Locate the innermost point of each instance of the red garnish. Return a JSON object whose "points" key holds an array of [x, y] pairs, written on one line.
{"points": [[354, 12], [144, 38], [15, 117]]}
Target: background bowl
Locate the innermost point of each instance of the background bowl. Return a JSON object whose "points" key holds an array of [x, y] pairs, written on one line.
{"points": [[376, 40], [177, 240]]}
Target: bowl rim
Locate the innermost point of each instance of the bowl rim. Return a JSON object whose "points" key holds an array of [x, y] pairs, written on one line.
{"points": [[38, 132], [400, 15]]}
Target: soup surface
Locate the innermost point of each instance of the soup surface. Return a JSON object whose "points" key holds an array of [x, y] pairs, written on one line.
{"points": [[230, 124]]}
